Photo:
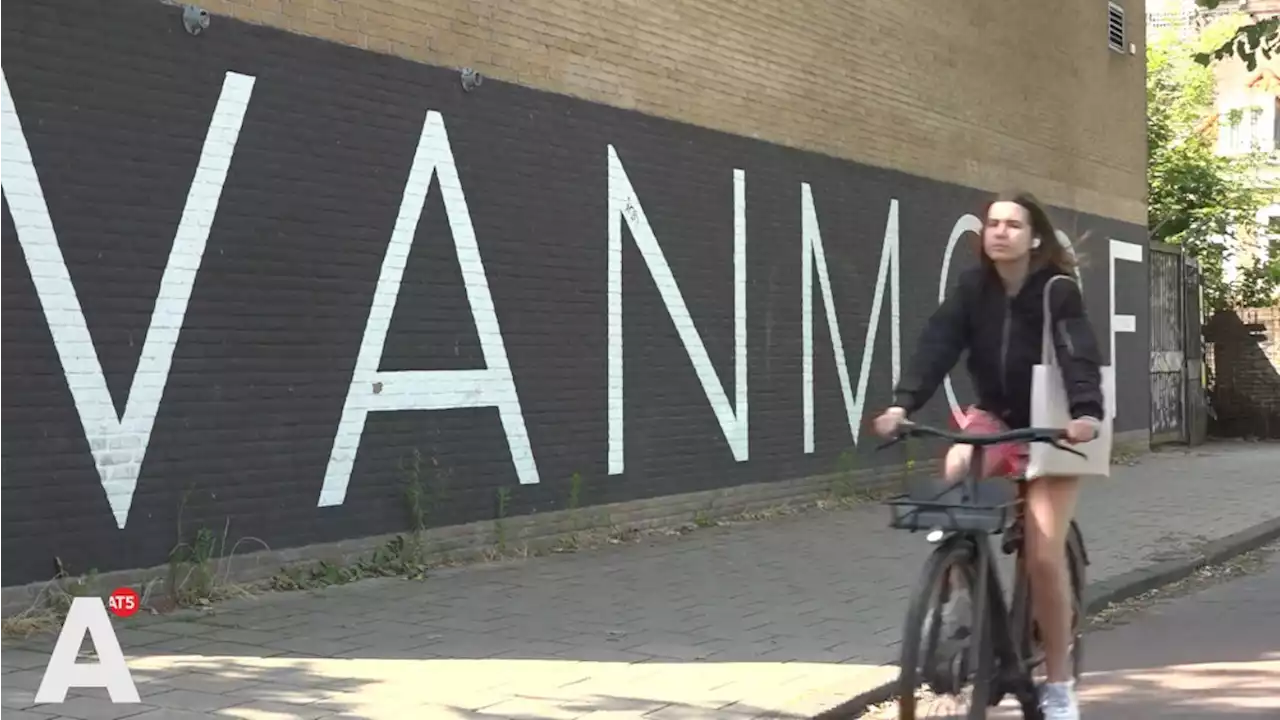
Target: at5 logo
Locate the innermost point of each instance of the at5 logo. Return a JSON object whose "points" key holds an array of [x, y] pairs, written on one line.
{"points": [[89, 615]]}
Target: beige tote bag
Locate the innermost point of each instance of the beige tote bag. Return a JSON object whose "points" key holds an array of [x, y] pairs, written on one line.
{"points": [[1051, 409]]}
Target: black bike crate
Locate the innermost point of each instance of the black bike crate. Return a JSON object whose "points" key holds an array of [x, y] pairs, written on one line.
{"points": [[991, 509]]}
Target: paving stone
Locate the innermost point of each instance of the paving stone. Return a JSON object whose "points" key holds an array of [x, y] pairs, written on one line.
{"points": [[191, 700], [781, 616], [268, 710], [93, 705]]}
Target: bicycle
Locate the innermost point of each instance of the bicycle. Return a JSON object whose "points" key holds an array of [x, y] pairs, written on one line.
{"points": [[999, 654]]}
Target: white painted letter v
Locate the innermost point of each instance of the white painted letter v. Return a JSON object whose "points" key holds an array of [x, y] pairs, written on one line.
{"points": [[119, 444]]}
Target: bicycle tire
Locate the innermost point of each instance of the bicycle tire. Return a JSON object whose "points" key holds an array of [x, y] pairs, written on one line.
{"points": [[957, 553]]}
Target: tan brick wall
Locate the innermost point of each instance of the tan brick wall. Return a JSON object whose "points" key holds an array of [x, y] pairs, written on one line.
{"points": [[985, 93]]}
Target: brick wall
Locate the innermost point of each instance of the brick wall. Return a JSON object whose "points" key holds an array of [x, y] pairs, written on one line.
{"points": [[249, 276], [1246, 364], [980, 94]]}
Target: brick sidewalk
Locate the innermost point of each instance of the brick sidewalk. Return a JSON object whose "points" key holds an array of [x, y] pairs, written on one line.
{"points": [[779, 618]]}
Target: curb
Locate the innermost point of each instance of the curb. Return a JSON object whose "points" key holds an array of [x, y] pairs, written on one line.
{"points": [[1100, 595]]}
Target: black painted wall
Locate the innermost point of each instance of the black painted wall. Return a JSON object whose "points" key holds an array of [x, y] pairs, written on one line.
{"points": [[115, 99]]}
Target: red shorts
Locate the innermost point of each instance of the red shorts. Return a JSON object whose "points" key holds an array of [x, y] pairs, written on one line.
{"points": [[1003, 460]]}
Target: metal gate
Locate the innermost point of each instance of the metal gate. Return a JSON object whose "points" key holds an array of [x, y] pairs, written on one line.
{"points": [[1196, 395], [1178, 407]]}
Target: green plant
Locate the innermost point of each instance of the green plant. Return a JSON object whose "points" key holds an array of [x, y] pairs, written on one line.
{"points": [[499, 523], [191, 573], [47, 613], [425, 484], [575, 491], [400, 556], [910, 450], [73, 586], [841, 485]]}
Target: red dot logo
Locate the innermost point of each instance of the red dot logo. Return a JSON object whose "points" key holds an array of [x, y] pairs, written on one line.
{"points": [[123, 602]]}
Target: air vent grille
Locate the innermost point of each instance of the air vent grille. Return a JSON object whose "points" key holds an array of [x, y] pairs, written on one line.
{"points": [[1115, 28]]}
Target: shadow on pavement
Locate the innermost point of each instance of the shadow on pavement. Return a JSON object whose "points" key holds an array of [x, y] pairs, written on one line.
{"points": [[255, 663], [1245, 689]]}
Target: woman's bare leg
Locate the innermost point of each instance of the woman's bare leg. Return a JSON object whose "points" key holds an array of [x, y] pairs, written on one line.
{"points": [[956, 463], [1051, 504], [954, 467]]}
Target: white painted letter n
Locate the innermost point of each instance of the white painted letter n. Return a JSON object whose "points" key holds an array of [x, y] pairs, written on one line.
{"points": [[624, 205]]}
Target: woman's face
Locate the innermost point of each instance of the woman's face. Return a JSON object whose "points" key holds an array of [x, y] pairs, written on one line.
{"points": [[1008, 235]]}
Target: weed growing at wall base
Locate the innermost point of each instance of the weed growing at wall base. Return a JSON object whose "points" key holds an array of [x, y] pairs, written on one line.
{"points": [[404, 555], [194, 579], [46, 612], [841, 486]]}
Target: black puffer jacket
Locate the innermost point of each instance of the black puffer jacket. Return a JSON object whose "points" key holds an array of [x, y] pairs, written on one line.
{"points": [[1003, 337]]}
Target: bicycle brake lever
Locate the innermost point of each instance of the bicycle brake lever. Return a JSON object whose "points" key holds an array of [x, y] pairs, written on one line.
{"points": [[1071, 450]]}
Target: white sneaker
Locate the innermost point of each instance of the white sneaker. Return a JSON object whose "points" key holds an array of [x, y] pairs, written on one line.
{"points": [[1058, 701]]}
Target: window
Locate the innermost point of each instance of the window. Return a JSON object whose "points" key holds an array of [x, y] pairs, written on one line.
{"points": [[1244, 130], [1230, 128], [1270, 245], [1275, 126]]}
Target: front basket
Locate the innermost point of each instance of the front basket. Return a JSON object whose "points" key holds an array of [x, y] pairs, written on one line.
{"points": [[908, 513]]}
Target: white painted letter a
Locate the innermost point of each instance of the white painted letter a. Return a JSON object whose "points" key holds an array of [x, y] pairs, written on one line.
{"points": [[375, 391]]}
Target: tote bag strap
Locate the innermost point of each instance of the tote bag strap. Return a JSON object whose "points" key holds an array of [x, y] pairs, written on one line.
{"points": [[1047, 354]]}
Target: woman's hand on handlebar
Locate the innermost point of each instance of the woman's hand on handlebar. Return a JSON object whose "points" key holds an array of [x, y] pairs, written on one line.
{"points": [[888, 422], [1081, 430]]}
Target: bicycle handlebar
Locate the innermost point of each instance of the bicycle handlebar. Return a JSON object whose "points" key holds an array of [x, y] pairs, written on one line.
{"points": [[1052, 436]]}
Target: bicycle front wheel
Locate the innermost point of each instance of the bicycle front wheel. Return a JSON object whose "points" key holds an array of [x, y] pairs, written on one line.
{"points": [[943, 659]]}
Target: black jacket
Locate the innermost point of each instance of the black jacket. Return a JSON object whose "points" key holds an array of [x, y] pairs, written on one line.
{"points": [[1003, 337]]}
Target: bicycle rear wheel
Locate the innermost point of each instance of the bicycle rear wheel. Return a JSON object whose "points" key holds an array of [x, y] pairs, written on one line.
{"points": [[938, 659]]}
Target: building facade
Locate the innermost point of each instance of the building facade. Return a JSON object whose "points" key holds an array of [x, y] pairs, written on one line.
{"points": [[261, 256]]}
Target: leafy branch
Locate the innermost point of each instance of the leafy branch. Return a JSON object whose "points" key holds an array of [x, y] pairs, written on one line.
{"points": [[1200, 199]]}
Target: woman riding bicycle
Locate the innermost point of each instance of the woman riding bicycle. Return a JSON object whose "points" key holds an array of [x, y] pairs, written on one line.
{"points": [[995, 311]]}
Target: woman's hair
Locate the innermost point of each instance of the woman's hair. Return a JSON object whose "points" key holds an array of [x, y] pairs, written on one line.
{"points": [[1051, 251]]}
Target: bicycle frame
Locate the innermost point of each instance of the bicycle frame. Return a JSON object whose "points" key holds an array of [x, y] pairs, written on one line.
{"points": [[1009, 629]]}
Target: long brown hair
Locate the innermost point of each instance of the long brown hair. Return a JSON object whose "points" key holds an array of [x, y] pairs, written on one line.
{"points": [[1051, 251]]}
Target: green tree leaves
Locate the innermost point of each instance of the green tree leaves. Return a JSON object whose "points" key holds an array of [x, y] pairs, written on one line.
{"points": [[1261, 36], [1203, 201]]}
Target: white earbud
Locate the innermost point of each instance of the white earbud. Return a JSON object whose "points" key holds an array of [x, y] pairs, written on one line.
{"points": [[1035, 242]]}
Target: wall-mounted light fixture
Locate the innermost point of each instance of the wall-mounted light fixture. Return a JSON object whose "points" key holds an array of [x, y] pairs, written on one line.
{"points": [[195, 19], [471, 79]]}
